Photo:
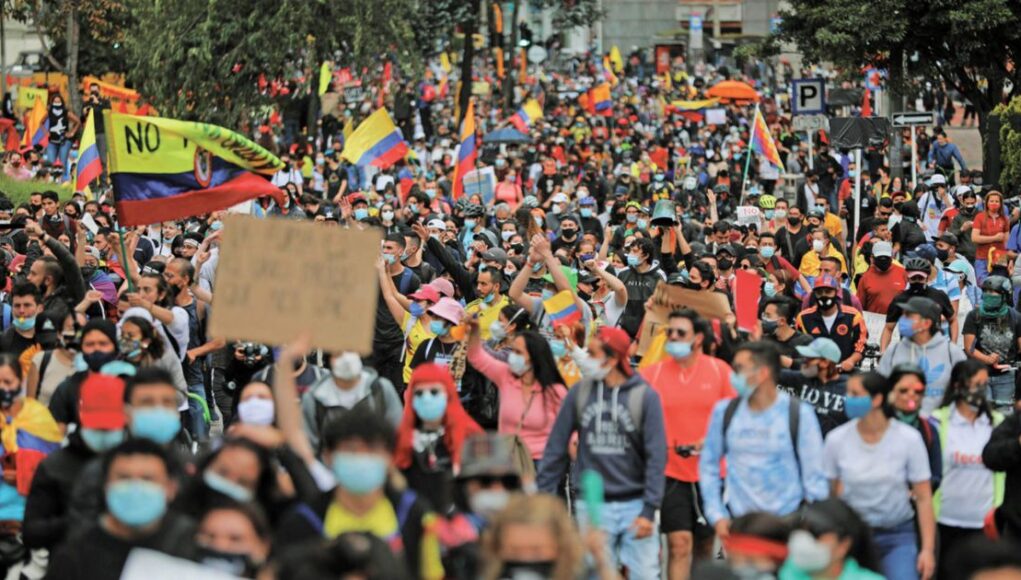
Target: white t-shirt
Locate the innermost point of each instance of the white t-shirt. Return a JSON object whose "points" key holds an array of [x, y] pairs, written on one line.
{"points": [[967, 485], [179, 330], [876, 477]]}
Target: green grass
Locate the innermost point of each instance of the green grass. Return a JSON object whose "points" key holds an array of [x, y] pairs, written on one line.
{"points": [[19, 191]]}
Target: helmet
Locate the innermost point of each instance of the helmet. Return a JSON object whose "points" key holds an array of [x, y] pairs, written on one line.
{"points": [[767, 201], [917, 265], [996, 284], [474, 210]]}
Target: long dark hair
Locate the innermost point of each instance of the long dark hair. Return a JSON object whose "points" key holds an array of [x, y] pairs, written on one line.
{"points": [[544, 366], [155, 348], [834, 515], [959, 377], [516, 315]]}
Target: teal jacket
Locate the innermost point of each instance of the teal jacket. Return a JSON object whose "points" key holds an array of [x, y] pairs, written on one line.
{"points": [[852, 571]]}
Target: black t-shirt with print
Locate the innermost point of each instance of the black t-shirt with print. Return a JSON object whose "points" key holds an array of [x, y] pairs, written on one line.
{"points": [[995, 335]]}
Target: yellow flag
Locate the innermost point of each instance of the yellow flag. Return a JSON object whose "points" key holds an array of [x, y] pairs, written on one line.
{"points": [[325, 75], [445, 62], [616, 59]]}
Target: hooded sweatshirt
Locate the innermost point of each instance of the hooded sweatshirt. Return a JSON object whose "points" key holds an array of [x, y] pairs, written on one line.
{"points": [[630, 458], [325, 394], [936, 358]]}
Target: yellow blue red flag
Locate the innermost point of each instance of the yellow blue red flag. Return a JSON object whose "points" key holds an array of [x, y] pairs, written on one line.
{"points": [[468, 152], [37, 126], [762, 142], [562, 308], [375, 142], [165, 169], [90, 166], [527, 115]]}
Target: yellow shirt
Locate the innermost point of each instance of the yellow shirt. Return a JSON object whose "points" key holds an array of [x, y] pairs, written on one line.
{"points": [[381, 521], [488, 313], [810, 262], [833, 225], [415, 335]]}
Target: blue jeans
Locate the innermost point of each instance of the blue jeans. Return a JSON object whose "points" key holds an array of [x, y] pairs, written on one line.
{"points": [[640, 557], [1001, 391], [898, 550], [61, 152], [981, 270], [197, 425]]}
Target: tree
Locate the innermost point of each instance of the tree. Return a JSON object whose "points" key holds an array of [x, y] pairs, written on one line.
{"points": [[972, 45], [203, 59]]}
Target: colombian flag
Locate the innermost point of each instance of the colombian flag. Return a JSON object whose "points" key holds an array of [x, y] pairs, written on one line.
{"points": [[762, 141], [164, 169], [89, 164], [30, 436], [375, 142], [468, 152], [562, 308], [600, 99], [527, 115], [37, 125]]}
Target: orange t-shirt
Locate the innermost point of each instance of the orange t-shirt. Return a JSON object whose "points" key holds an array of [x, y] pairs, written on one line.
{"points": [[688, 396]]}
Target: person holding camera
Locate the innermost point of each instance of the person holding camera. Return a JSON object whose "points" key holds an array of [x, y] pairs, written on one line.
{"points": [[690, 383]]}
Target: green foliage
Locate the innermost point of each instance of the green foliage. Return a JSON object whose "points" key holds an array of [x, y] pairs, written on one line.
{"points": [[1010, 144], [202, 59], [967, 43], [18, 191]]}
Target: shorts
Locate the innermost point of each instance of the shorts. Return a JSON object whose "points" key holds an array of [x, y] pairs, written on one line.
{"points": [[682, 509]]}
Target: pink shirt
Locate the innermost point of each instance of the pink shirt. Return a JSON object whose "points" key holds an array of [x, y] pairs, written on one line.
{"points": [[541, 414]]}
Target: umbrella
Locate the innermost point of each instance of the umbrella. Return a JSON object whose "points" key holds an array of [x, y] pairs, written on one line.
{"points": [[506, 135], [733, 91]]}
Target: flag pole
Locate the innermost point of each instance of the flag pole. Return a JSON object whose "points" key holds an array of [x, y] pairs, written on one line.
{"points": [[748, 155]]}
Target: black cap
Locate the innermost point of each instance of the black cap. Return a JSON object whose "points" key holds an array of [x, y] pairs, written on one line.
{"points": [[948, 238], [923, 306]]}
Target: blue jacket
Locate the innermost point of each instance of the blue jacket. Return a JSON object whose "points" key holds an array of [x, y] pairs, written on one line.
{"points": [[944, 155]]}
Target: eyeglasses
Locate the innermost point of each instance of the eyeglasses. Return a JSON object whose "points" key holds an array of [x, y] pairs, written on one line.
{"points": [[507, 481], [432, 392], [678, 332]]}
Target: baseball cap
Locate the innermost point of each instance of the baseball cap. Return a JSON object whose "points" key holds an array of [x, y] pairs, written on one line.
{"points": [[926, 252], [923, 306], [880, 249], [560, 198], [495, 255], [426, 292], [826, 282], [443, 286], [437, 224], [586, 201], [619, 342], [937, 179], [101, 403], [948, 238], [570, 273], [821, 348]]}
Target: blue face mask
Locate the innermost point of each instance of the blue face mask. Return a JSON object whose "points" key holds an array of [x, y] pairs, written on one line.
{"points": [[857, 407], [517, 363], [155, 424], [632, 218], [221, 484], [216, 226], [429, 407], [361, 213], [905, 327], [586, 257], [24, 324], [469, 224], [547, 294], [413, 207], [390, 259], [643, 223], [768, 213], [431, 193], [438, 327], [769, 289], [135, 502], [100, 440], [359, 473], [488, 298], [416, 310], [740, 384], [586, 212], [767, 251], [506, 235], [558, 347], [678, 350], [633, 260], [537, 266]]}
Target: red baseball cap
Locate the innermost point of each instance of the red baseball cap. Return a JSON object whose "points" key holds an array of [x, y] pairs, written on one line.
{"points": [[101, 404], [426, 292], [619, 342], [826, 282]]}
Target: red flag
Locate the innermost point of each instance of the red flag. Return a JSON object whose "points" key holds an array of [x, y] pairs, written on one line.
{"points": [[866, 104], [747, 290]]}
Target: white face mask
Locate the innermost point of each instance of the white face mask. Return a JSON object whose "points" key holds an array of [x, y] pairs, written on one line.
{"points": [[590, 368], [806, 553], [488, 502], [347, 366], [256, 412], [818, 245]]}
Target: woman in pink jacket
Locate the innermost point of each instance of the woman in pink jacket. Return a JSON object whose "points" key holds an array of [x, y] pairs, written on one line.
{"points": [[531, 388]]}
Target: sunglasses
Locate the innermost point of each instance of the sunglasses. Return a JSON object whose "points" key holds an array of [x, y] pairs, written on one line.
{"points": [[678, 332], [431, 392], [507, 481]]}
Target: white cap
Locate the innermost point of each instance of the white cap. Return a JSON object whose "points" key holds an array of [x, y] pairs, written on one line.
{"points": [[560, 198], [437, 225], [882, 249], [938, 179]]}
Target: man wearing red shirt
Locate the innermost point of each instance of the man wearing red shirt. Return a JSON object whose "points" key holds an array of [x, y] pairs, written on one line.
{"points": [[689, 384], [882, 281]]}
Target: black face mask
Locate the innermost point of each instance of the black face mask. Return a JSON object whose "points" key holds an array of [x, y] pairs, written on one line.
{"points": [[968, 210], [916, 287], [725, 264], [526, 570], [88, 272], [568, 234], [794, 220], [96, 360], [7, 398], [882, 263], [826, 302], [942, 254], [898, 206]]}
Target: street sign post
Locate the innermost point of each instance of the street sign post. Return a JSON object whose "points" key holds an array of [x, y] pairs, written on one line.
{"points": [[912, 119], [809, 96], [810, 124]]}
